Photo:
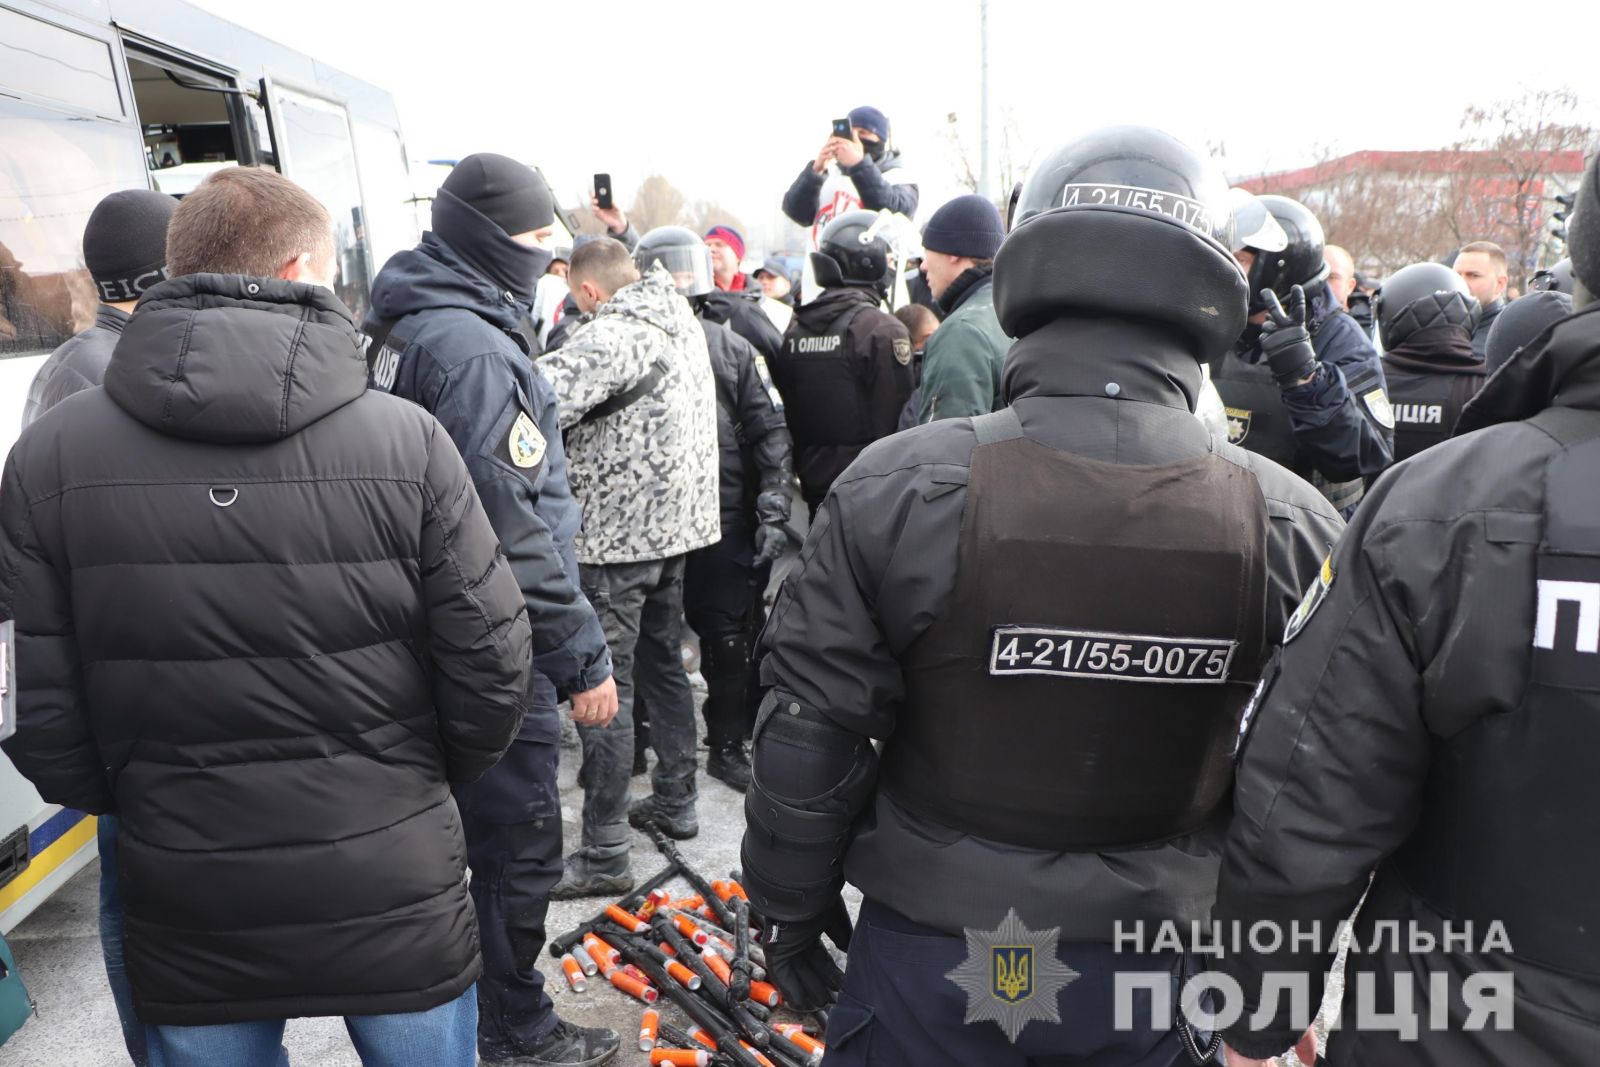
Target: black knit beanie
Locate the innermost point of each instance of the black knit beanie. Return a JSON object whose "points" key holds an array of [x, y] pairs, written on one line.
{"points": [[967, 226], [509, 194], [125, 243]]}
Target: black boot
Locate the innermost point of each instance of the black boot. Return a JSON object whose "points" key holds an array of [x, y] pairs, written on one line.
{"points": [[729, 765], [727, 674]]}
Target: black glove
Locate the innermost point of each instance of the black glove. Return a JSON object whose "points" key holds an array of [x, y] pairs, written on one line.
{"points": [[1360, 307], [1285, 342], [771, 540], [797, 963]]}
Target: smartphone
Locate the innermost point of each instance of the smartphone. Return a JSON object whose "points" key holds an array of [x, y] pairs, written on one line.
{"points": [[842, 128], [602, 190]]}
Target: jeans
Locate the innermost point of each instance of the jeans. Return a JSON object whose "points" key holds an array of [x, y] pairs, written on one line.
{"points": [[512, 820], [445, 1036], [640, 606], [111, 943]]}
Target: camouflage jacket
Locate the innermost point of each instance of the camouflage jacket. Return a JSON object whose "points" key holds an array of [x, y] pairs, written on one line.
{"points": [[646, 475]]}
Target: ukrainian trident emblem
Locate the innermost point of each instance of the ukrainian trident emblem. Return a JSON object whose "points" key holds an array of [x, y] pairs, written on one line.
{"points": [[1012, 975]]}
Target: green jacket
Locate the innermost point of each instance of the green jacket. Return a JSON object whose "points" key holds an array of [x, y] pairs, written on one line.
{"points": [[962, 363]]}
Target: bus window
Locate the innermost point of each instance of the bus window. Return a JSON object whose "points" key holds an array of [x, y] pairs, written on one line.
{"points": [[386, 181], [187, 119], [56, 64], [315, 145], [54, 169]]}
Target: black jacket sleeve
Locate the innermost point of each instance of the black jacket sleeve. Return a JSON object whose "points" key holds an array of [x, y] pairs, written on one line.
{"points": [[878, 193], [478, 636], [53, 746], [800, 202], [1332, 415], [763, 423], [478, 403]]}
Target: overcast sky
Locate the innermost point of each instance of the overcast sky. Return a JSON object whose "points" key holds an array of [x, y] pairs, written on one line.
{"points": [[729, 100]]}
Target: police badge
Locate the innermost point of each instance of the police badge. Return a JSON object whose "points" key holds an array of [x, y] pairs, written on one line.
{"points": [[1377, 402], [1238, 425], [902, 351], [1011, 976], [1311, 602], [526, 444]]}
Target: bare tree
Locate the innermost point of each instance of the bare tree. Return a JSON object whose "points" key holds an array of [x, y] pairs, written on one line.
{"points": [[705, 214], [1013, 156], [658, 203]]}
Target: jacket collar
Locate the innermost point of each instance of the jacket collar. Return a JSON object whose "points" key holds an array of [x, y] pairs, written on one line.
{"points": [[1560, 367], [968, 283]]}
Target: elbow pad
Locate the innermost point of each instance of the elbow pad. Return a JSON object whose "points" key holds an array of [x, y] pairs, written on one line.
{"points": [[810, 780]]}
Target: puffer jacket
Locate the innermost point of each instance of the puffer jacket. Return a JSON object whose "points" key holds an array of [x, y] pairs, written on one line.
{"points": [[753, 442], [77, 365], [646, 475], [263, 618]]}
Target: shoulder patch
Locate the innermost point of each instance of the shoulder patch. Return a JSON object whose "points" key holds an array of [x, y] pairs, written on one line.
{"points": [[1238, 424], [902, 351], [526, 444], [1310, 602], [1377, 402]]}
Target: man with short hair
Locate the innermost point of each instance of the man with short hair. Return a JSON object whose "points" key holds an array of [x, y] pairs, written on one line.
{"points": [[726, 245], [318, 636], [639, 410], [1341, 273], [1482, 265], [961, 369], [447, 315]]}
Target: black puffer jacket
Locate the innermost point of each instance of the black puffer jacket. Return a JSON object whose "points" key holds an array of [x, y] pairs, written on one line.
{"points": [[77, 365], [754, 452], [262, 618]]}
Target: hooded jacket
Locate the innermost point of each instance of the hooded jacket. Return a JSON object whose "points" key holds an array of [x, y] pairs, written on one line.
{"points": [[454, 348], [646, 476], [77, 365], [1425, 635], [263, 619]]}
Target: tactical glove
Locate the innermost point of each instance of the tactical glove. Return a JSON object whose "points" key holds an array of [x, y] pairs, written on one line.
{"points": [[799, 965], [1285, 342]]}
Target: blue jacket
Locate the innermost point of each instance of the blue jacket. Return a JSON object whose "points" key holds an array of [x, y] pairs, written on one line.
{"points": [[455, 350]]}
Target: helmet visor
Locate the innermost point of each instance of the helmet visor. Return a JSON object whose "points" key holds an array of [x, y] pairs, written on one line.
{"points": [[1253, 225], [689, 265]]}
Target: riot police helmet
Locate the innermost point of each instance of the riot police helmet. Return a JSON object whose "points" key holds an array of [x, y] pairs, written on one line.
{"points": [[684, 255], [1300, 260], [1555, 279], [854, 250], [1126, 221], [1423, 295]]}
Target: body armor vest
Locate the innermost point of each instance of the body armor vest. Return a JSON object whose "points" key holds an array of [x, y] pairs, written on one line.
{"points": [[825, 384], [1426, 405], [1512, 805], [1084, 689]]}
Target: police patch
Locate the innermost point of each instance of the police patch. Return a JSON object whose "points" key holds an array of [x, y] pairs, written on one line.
{"points": [[1377, 402], [1310, 602], [1238, 425], [902, 351], [1110, 657], [526, 444]]}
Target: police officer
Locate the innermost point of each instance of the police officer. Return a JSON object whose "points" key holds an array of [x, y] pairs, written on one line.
{"points": [[1434, 717], [1327, 418], [1051, 618], [445, 328], [845, 367], [723, 583], [1426, 318]]}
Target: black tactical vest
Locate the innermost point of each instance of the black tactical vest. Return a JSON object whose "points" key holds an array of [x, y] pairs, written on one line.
{"points": [[825, 384], [1084, 689], [1426, 405], [1511, 811]]}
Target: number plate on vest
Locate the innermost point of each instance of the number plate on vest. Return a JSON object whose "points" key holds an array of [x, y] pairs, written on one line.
{"points": [[1114, 657]]}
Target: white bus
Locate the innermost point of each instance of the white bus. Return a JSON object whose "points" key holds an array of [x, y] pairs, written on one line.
{"points": [[100, 95]]}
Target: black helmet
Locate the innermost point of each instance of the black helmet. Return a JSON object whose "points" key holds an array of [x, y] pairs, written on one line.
{"points": [[1557, 279], [853, 252], [1127, 221], [682, 253], [1422, 295], [1299, 263]]}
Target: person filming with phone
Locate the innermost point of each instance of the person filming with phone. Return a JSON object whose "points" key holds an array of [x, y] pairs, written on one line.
{"points": [[857, 167]]}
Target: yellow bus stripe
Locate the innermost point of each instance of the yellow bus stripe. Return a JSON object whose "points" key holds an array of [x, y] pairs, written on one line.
{"points": [[47, 861]]}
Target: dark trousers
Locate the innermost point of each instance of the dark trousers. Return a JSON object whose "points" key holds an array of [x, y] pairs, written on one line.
{"points": [[898, 1009], [512, 819], [722, 599], [640, 606]]}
